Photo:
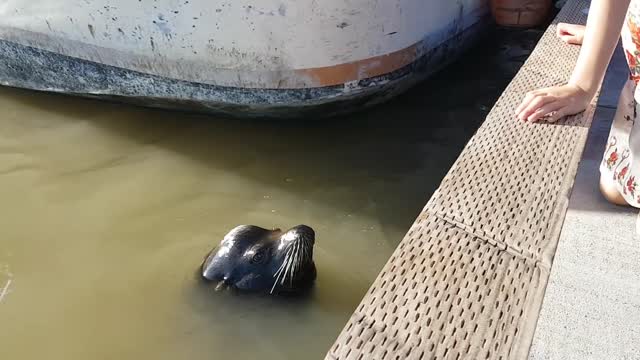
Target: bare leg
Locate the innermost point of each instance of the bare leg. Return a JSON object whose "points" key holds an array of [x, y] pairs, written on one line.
{"points": [[610, 192]]}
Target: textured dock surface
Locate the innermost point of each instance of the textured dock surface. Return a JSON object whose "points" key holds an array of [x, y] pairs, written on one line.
{"points": [[468, 279]]}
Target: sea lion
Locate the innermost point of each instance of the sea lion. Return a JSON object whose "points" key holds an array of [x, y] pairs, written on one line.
{"points": [[254, 259]]}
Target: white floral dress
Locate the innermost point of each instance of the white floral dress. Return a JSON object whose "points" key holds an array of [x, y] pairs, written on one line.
{"points": [[621, 160]]}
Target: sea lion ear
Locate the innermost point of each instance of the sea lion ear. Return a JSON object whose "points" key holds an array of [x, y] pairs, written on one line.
{"points": [[275, 233]]}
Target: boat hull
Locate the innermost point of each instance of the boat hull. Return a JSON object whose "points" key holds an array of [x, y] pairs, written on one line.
{"points": [[54, 61]]}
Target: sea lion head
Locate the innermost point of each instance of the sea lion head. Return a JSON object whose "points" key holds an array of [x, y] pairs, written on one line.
{"points": [[251, 258]]}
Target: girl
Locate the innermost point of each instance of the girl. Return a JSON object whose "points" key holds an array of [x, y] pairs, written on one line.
{"points": [[620, 166]]}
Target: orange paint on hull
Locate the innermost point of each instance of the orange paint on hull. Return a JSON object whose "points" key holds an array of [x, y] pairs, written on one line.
{"points": [[361, 69]]}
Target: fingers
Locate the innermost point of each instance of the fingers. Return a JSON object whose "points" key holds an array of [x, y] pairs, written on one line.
{"points": [[546, 112], [570, 39], [551, 104], [534, 104], [570, 33], [556, 115], [563, 29], [528, 98]]}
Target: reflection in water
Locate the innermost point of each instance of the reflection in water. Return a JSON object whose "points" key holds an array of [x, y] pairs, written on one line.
{"points": [[108, 210], [6, 278]]}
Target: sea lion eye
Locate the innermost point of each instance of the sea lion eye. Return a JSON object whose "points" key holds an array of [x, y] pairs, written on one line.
{"points": [[258, 257]]}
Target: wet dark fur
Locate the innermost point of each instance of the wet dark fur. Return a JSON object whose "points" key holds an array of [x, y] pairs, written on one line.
{"points": [[254, 259]]}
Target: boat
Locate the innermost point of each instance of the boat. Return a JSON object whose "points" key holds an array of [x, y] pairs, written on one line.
{"points": [[261, 58]]}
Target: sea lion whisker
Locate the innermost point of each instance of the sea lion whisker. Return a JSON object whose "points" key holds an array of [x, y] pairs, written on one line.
{"points": [[277, 275], [305, 250], [295, 263], [221, 285], [275, 282], [289, 261], [295, 258], [273, 287], [284, 267], [300, 255], [279, 272]]}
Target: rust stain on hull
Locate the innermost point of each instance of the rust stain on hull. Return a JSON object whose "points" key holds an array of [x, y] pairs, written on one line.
{"points": [[361, 69]]}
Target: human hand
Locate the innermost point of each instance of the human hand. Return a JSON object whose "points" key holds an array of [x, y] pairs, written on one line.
{"points": [[570, 33], [553, 103]]}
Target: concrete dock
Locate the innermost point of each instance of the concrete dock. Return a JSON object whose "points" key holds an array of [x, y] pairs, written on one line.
{"points": [[591, 308]]}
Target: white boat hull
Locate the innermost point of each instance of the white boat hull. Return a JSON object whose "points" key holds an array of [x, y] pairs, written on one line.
{"points": [[272, 58]]}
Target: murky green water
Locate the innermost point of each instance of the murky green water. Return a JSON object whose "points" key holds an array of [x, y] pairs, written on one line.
{"points": [[107, 211]]}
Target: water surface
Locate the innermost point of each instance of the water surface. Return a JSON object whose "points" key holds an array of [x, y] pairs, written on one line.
{"points": [[107, 211]]}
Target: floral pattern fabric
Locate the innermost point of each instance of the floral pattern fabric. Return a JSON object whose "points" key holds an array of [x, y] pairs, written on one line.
{"points": [[623, 145], [631, 44]]}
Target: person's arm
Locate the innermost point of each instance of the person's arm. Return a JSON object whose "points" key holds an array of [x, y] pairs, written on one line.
{"points": [[601, 36]]}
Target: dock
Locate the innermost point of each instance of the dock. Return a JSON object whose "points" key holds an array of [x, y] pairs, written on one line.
{"points": [[469, 279], [591, 308]]}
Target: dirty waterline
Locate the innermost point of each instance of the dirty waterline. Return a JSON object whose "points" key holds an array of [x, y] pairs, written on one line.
{"points": [[108, 210]]}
